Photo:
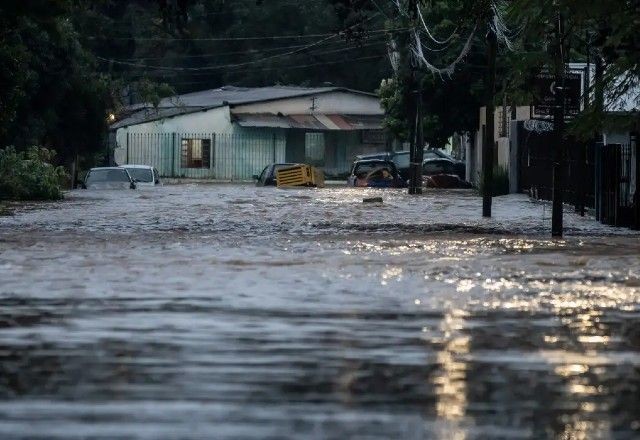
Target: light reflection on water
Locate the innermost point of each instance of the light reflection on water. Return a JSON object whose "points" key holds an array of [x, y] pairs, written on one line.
{"points": [[235, 312]]}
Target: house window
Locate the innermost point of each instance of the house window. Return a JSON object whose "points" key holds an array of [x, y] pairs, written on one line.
{"points": [[196, 153]]}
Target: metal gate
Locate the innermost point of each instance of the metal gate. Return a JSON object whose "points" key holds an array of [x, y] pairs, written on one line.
{"points": [[615, 194]]}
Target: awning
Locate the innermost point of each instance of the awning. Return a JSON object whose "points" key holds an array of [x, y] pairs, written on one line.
{"points": [[310, 122]]}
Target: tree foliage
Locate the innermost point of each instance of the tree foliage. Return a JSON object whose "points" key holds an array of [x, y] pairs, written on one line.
{"points": [[51, 93], [65, 65], [30, 175], [450, 103]]}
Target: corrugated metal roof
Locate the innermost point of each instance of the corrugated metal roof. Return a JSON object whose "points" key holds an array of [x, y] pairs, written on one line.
{"points": [[240, 95], [207, 99], [152, 114], [310, 122]]}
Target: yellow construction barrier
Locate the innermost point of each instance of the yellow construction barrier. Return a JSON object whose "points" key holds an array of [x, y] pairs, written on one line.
{"points": [[299, 175]]}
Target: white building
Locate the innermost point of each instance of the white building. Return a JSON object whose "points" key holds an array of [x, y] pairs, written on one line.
{"points": [[233, 132], [512, 152]]}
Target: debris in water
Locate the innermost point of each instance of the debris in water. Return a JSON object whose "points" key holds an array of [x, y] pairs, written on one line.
{"points": [[372, 200]]}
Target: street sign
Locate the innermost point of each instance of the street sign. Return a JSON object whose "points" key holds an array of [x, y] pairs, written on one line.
{"points": [[545, 88]]}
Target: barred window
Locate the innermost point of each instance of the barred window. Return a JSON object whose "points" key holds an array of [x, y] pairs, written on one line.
{"points": [[196, 153]]}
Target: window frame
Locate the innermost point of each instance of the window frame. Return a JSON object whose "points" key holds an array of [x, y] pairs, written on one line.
{"points": [[206, 160]]}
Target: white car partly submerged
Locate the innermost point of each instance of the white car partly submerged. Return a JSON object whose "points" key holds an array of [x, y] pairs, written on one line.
{"points": [[143, 175]]}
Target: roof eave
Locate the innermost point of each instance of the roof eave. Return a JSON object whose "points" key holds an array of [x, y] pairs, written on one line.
{"points": [[115, 125]]}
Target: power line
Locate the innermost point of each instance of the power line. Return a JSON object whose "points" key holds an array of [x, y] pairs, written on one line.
{"points": [[303, 66], [239, 52], [235, 66], [251, 38], [264, 37], [246, 63], [231, 11]]}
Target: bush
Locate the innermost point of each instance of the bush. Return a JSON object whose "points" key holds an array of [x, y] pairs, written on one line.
{"points": [[500, 182], [29, 175]]}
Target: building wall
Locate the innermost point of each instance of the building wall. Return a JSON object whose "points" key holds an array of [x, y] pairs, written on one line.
{"points": [[330, 103], [340, 148], [239, 152], [232, 156], [216, 120], [502, 152]]}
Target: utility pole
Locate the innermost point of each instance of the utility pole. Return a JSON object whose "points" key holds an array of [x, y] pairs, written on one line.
{"points": [[416, 153], [489, 137], [558, 128]]}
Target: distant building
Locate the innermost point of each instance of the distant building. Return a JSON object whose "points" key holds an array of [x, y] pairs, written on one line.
{"points": [[524, 145], [233, 132]]}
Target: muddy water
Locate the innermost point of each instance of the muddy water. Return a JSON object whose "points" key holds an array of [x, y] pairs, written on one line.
{"points": [[242, 312]]}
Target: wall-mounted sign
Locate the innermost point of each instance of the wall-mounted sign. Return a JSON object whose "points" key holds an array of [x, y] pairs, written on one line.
{"points": [[545, 88]]}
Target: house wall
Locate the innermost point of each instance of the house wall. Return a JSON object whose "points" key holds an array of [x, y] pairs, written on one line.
{"points": [[330, 103], [340, 148], [502, 153], [239, 152], [236, 152], [215, 120]]}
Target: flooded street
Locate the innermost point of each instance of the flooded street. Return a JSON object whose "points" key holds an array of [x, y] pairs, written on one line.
{"points": [[235, 312]]}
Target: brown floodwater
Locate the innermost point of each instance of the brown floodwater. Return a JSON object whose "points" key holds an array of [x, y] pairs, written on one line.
{"points": [[235, 312]]}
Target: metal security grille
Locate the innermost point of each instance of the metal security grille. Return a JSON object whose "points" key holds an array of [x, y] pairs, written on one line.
{"points": [[602, 177], [615, 195], [196, 153], [221, 156]]}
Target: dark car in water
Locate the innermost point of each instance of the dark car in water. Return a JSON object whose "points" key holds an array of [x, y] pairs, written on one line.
{"points": [[375, 173], [459, 167], [268, 175], [402, 160], [108, 178], [442, 173]]}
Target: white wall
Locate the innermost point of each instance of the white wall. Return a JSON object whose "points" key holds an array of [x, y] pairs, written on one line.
{"points": [[503, 152], [216, 120], [329, 103], [237, 152]]}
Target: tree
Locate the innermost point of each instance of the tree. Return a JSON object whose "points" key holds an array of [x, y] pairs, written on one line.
{"points": [[51, 94]]}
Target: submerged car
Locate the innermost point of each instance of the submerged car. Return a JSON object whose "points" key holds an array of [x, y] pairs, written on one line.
{"points": [[458, 166], [144, 175], [402, 160], [268, 175], [108, 178], [450, 181], [399, 158], [432, 167], [441, 173], [375, 173]]}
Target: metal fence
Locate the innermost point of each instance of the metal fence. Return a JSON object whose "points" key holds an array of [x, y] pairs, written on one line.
{"points": [[202, 155], [598, 176], [617, 185]]}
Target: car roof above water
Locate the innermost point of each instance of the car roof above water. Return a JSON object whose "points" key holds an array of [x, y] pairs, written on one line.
{"points": [[105, 168], [366, 161], [148, 167]]}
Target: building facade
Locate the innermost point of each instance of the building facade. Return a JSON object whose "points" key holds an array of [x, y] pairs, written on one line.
{"points": [[232, 133]]}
